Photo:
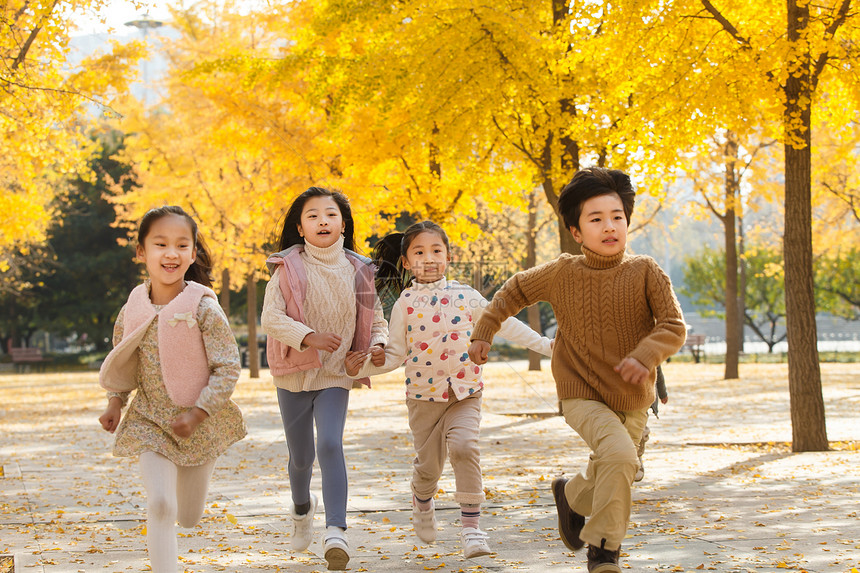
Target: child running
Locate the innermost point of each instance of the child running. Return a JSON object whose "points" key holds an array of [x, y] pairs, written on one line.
{"points": [[430, 325], [319, 303], [618, 319], [174, 347]]}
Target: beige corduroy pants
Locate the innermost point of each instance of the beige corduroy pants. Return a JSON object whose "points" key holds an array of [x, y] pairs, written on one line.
{"points": [[602, 491], [440, 430]]}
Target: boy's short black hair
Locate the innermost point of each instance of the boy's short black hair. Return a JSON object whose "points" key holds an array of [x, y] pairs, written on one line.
{"points": [[593, 182]]}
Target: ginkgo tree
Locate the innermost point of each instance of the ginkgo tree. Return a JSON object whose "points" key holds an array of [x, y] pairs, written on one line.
{"points": [[45, 100], [798, 49], [218, 144], [717, 171]]}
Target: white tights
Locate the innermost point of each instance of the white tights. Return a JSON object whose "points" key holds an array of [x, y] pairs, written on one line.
{"points": [[173, 493]]}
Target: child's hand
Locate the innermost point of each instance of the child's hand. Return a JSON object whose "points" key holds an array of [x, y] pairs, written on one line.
{"points": [[377, 355], [186, 422], [326, 341], [353, 361], [664, 399], [112, 414], [632, 371], [479, 351]]}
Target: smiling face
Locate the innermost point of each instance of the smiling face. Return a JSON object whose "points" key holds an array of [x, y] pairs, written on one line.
{"points": [[602, 225], [426, 257], [167, 251], [321, 223]]}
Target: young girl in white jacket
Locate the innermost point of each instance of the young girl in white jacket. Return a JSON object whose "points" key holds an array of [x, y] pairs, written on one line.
{"points": [[429, 328]]}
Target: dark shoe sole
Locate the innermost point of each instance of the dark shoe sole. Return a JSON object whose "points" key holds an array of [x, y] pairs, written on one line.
{"points": [[569, 522]]}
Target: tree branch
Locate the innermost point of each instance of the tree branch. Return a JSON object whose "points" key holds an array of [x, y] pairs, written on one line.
{"points": [[727, 26], [519, 146], [831, 30], [19, 59]]}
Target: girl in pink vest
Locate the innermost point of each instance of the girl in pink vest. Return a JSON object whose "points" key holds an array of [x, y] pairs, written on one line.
{"points": [[319, 304], [173, 346], [430, 325]]}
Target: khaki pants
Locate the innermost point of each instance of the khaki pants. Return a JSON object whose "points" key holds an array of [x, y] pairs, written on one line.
{"points": [[440, 429], [602, 490]]}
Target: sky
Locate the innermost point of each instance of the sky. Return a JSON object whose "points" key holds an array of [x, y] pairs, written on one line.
{"points": [[116, 13]]}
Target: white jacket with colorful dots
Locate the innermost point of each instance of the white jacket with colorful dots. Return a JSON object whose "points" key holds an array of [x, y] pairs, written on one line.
{"points": [[430, 327]]}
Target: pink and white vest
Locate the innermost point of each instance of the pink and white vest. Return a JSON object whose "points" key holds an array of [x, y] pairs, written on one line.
{"points": [[184, 364], [438, 328], [284, 359]]}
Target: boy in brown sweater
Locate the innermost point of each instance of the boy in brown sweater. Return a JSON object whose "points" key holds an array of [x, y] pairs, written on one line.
{"points": [[618, 318]]}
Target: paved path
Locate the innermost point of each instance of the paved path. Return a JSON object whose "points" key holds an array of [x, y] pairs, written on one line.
{"points": [[722, 492]]}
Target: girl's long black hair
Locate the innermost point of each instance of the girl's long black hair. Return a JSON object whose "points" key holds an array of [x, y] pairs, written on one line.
{"points": [[388, 253], [290, 232], [201, 269]]}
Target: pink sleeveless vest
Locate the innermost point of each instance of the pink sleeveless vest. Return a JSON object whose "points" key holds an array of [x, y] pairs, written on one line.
{"points": [[184, 364], [294, 283]]}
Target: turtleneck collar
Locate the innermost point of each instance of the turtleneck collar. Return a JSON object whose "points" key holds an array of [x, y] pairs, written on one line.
{"points": [[441, 284], [327, 255], [596, 261]]}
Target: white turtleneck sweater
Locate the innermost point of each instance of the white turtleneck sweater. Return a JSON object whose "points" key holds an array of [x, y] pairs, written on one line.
{"points": [[329, 307]]}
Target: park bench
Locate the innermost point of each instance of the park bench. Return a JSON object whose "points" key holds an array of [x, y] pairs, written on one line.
{"points": [[695, 343], [22, 357]]}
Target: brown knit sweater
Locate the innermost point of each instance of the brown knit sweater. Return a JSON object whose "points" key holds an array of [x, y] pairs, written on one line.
{"points": [[607, 308]]}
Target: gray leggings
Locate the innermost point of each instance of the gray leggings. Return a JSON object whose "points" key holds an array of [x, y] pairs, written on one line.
{"points": [[299, 411]]}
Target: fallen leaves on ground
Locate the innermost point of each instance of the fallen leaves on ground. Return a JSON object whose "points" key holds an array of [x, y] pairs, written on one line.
{"points": [[718, 455]]}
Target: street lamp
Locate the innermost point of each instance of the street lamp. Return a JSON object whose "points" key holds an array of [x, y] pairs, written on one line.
{"points": [[145, 23]]}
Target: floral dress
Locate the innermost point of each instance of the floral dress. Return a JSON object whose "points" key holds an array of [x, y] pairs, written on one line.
{"points": [[146, 425]]}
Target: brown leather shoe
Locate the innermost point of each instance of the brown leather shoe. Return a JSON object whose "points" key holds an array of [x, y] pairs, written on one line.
{"points": [[570, 523], [603, 560]]}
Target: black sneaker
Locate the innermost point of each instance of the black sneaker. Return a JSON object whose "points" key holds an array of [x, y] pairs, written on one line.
{"points": [[570, 523], [603, 560]]}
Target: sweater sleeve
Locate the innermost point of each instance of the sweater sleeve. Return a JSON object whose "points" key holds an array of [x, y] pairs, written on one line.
{"points": [[670, 331], [515, 330], [395, 350], [379, 329], [274, 319], [521, 290], [222, 354], [117, 338]]}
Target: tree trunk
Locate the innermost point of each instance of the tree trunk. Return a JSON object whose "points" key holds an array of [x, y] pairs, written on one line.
{"points": [[731, 195], [533, 312], [253, 350], [569, 159], [808, 427], [435, 166], [225, 291], [742, 279], [565, 239]]}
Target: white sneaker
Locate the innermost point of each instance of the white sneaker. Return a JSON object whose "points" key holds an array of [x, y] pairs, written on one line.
{"points": [[474, 542], [424, 522], [303, 526], [335, 548]]}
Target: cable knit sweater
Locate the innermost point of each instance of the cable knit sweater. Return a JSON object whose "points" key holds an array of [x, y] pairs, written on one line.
{"points": [[329, 307], [607, 309]]}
